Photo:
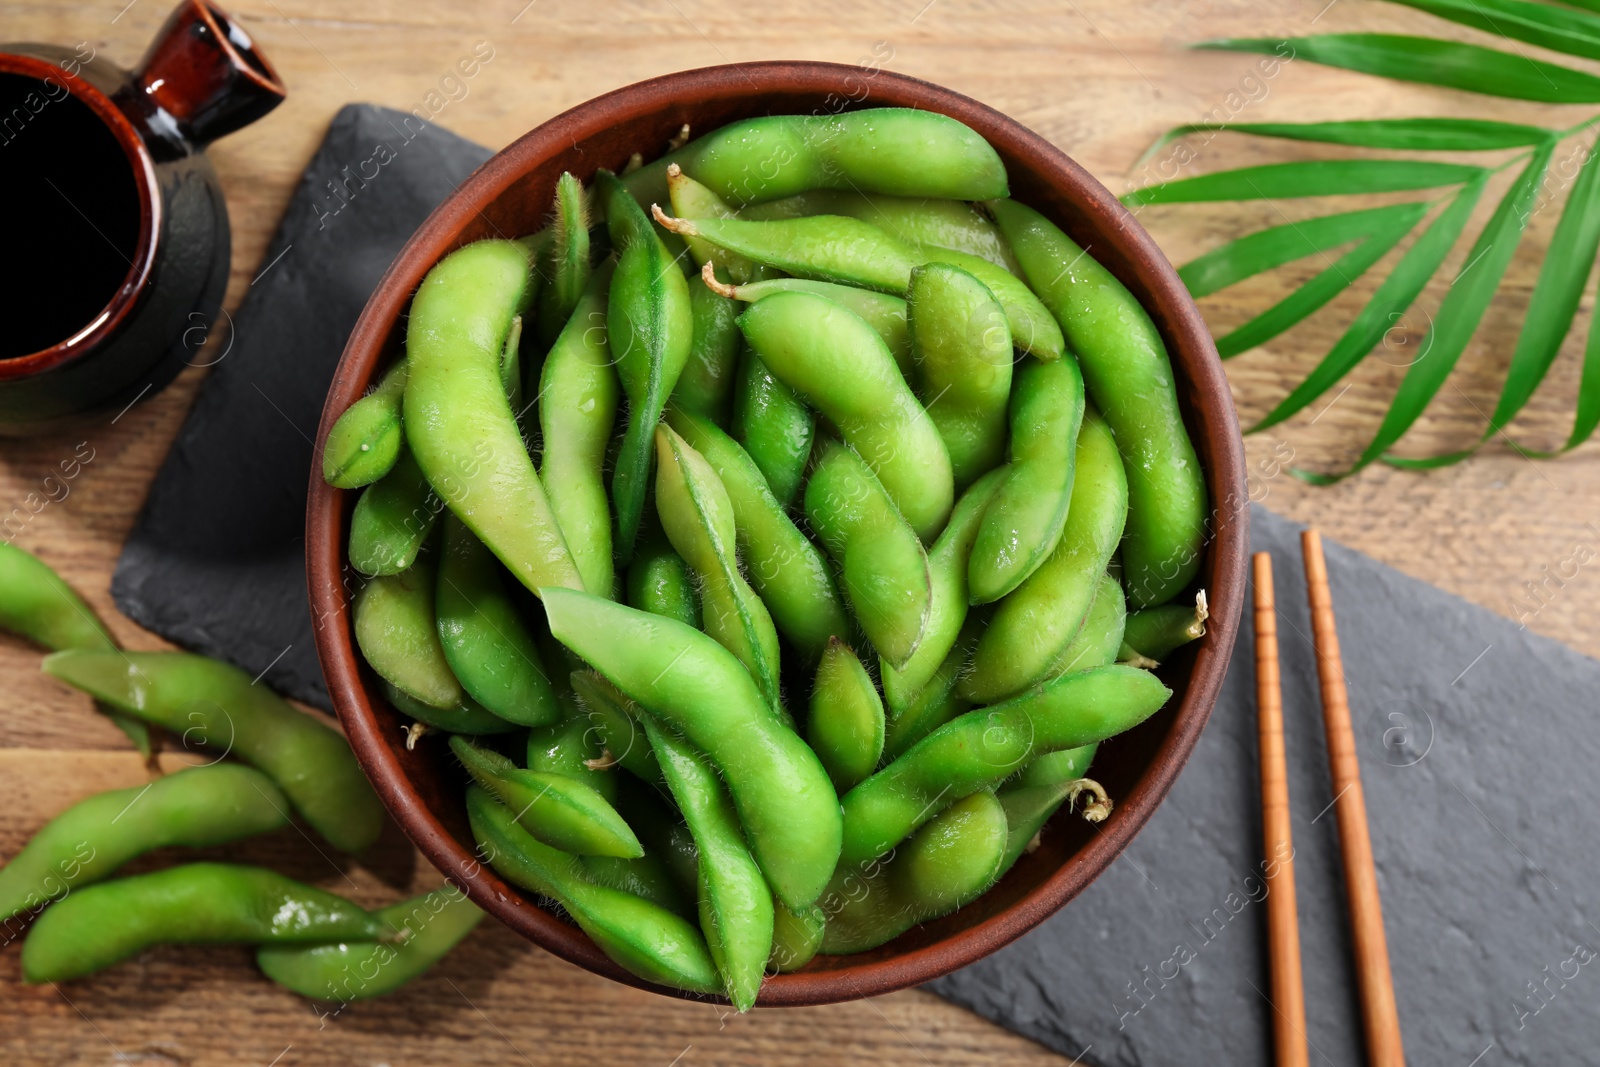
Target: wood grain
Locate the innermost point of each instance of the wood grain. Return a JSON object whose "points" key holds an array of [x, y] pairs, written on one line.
{"points": [[1101, 78]]}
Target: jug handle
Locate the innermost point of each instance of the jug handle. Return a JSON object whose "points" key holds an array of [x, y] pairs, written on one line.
{"points": [[203, 78]]}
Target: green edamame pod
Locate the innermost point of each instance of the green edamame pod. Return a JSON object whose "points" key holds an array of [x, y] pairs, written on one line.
{"points": [[198, 903], [1099, 639], [1052, 768], [659, 582], [962, 347], [197, 807], [736, 913], [833, 359], [578, 392], [698, 519], [216, 703], [562, 812], [458, 421], [1023, 525], [398, 634], [786, 804], [987, 745], [366, 440], [886, 314], [511, 369], [796, 937], [644, 876], [484, 639], [884, 567], [36, 603], [616, 720], [846, 724], [692, 200], [948, 862], [466, 717], [947, 583], [1033, 624], [938, 701], [574, 748], [899, 151], [392, 519], [773, 425], [565, 264], [706, 385], [1129, 376], [651, 327], [1028, 808], [1154, 633], [785, 568], [430, 925], [643, 937], [652, 813]]}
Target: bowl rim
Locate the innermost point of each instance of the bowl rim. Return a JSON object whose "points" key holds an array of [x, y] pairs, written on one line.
{"points": [[1195, 359]]}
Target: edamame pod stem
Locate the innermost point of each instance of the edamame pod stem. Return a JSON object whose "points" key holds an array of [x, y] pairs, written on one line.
{"points": [[938, 701], [559, 811], [430, 925], [706, 385], [898, 151], [1100, 637], [392, 519], [617, 720], [578, 392], [458, 422], [987, 745], [1154, 633], [651, 327], [565, 264], [692, 200], [838, 364], [698, 519], [948, 862], [963, 351], [773, 425], [1035, 623], [886, 314], [845, 728], [645, 938], [366, 440], [786, 804], [1023, 525], [659, 582], [198, 903], [796, 937], [197, 807], [834, 248], [485, 641], [1028, 808], [1130, 379], [465, 717], [947, 582], [736, 912], [785, 568], [213, 702], [884, 567]]}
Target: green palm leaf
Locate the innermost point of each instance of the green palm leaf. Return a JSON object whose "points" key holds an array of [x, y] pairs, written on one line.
{"points": [[1557, 29], [1417, 135], [1306, 178]]}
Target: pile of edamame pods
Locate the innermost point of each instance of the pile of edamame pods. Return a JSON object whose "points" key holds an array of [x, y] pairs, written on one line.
{"points": [[798, 495]]}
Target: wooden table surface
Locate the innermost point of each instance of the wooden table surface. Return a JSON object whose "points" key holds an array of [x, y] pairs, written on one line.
{"points": [[1101, 78]]}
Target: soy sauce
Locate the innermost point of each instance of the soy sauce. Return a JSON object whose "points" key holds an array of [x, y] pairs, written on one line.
{"points": [[72, 214]]}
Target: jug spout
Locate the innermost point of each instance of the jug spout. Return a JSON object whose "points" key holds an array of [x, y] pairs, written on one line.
{"points": [[203, 77]]}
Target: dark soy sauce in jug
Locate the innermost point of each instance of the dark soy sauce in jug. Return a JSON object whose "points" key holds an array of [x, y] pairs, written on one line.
{"points": [[72, 214]]}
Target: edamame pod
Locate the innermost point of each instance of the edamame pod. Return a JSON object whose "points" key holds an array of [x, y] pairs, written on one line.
{"points": [[366, 440], [1129, 376], [796, 937], [392, 519], [565, 264], [198, 903], [1032, 625], [431, 925], [736, 912], [484, 639], [645, 876], [398, 634], [458, 422], [1100, 637], [578, 393], [573, 747], [643, 937], [659, 582], [884, 567], [692, 200], [886, 314], [651, 327], [1063, 765], [466, 717], [773, 425], [699, 520], [839, 365], [1154, 633], [216, 703], [1029, 808], [786, 804], [938, 701], [785, 568], [706, 385], [846, 724], [559, 811], [511, 370], [197, 807], [617, 721], [962, 347]]}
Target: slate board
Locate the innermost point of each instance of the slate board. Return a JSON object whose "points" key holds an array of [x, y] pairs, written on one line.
{"points": [[216, 560]]}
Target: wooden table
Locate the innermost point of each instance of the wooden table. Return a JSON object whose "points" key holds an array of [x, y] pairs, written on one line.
{"points": [[1101, 78]]}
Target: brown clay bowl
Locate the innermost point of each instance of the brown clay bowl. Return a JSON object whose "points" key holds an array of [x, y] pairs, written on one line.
{"points": [[510, 195]]}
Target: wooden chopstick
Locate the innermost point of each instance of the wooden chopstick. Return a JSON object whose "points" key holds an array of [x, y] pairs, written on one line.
{"points": [[1379, 1016], [1283, 923]]}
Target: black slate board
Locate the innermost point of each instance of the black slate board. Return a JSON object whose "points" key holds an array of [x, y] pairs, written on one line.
{"points": [[216, 560], [1478, 743]]}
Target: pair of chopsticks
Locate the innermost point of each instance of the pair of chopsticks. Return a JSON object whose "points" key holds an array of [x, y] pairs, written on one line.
{"points": [[1380, 1019]]}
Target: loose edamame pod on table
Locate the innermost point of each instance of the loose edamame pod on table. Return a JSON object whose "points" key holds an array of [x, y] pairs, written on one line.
{"points": [[217, 704], [559, 811], [886, 314], [845, 727], [773, 425], [430, 925], [838, 364], [1129, 377], [197, 807], [565, 263], [458, 421], [1154, 633], [365, 442], [690, 683], [392, 519], [198, 903]]}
